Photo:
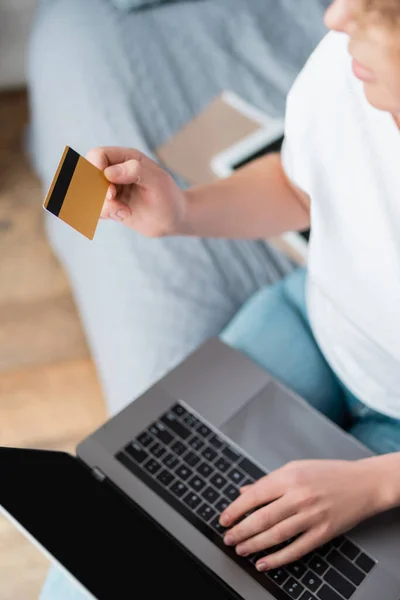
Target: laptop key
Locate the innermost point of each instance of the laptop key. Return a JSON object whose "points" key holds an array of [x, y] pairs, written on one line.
{"points": [[178, 448], [222, 465], [218, 481], [231, 454], [191, 458], [293, 588], [248, 481], [190, 420], [145, 439], [178, 489], [278, 575], [209, 453], [221, 505], [318, 565], [178, 410], [216, 441], [337, 542], [196, 443], [183, 472], [170, 461], [349, 550], [231, 492], [160, 432], [311, 581], [203, 430], [307, 596], [206, 512], [136, 452], [339, 583], [297, 569], [365, 563], [171, 421], [192, 500], [205, 469], [254, 558], [325, 549], [345, 567], [157, 450], [165, 477], [236, 476], [216, 526], [251, 469], [327, 593], [197, 483], [152, 466], [210, 495]]}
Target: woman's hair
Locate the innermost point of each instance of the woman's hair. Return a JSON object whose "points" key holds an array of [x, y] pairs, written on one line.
{"points": [[389, 10]]}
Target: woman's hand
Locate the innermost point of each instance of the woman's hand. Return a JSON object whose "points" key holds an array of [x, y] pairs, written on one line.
{"points": [[141, 194], [311, 501]]}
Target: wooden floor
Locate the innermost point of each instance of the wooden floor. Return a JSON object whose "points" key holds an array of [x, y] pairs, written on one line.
{"points": [[49, 393]]}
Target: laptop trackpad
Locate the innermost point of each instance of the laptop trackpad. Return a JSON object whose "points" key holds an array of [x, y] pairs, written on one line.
{"points": [[276, 427]]}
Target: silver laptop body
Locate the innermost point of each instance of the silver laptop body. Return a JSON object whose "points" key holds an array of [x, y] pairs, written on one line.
{"points": [[256, 417]]}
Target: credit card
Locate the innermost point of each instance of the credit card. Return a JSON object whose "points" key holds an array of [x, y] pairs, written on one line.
{"points": [[77, 193]]}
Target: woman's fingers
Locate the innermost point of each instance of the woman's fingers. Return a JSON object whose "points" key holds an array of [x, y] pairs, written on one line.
{"points": [[128, 172], [98, 158], [260, 521], [260, 493], [309, 541], [141, 173], [113, 208], [110, 155], [277, 534]]}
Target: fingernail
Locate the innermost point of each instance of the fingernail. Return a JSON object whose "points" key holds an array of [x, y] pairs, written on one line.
{"points": [[225, 520], [114, 171], [121, 214], [228, 540], [109, 195], [241, 551], [261, 566]]}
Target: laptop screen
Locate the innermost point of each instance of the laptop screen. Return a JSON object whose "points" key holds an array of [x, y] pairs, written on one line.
{"points": [[109, 545]]}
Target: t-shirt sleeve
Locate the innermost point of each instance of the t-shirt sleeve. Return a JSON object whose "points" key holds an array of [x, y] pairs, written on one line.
{"points": [[287, 160], [293, 165]]}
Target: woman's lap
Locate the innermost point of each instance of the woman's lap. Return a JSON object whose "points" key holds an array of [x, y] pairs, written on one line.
{"points": [[273, 329]]}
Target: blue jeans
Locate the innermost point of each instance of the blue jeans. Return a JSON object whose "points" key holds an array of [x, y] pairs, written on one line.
{"points": [[273, 329]]}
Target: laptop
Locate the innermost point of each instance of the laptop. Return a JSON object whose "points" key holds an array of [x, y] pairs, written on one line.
{"points": [[136, 511]]}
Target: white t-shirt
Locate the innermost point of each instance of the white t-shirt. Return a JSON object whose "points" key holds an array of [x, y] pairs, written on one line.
{"points": [[345, 155]]}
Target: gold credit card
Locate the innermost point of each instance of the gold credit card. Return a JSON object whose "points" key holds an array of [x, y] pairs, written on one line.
{"points": [[77, 193]]}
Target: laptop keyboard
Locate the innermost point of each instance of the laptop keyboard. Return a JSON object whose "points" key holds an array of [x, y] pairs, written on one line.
{"points": [[199, 473]]}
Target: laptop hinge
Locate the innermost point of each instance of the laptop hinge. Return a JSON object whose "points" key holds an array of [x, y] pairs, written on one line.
{"points": [[98, 474]]}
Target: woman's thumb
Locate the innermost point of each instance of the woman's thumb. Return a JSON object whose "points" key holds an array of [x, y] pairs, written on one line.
{"points": [[124, 173]]}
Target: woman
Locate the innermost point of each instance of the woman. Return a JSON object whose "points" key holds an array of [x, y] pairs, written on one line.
{"points": [[338, 172]]}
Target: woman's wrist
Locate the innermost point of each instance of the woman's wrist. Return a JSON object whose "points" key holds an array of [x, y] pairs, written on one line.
{"points": [[383, 476]]}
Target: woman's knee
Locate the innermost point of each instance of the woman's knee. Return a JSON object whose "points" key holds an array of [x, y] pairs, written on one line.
{"points": [[271, 330]]}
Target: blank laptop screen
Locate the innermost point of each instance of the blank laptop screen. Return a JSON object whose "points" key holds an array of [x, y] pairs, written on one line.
{"points": [[109, 545]]}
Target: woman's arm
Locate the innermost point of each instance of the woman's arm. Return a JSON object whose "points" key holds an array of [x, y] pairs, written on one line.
{"points": [[257, 201]]}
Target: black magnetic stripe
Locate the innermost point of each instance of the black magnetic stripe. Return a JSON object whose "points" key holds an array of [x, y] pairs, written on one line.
{"points": [[62, 184]]}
